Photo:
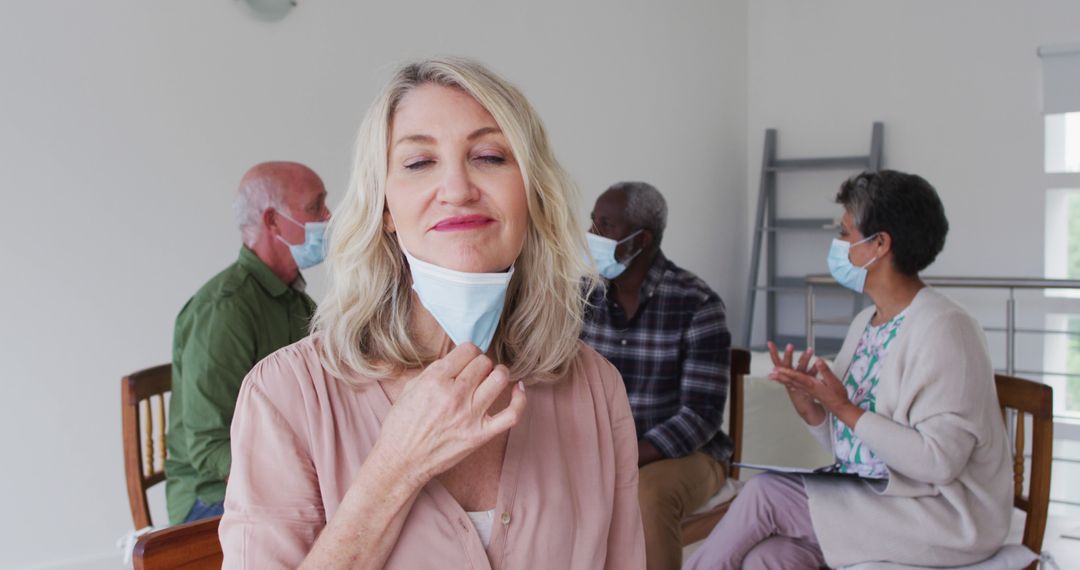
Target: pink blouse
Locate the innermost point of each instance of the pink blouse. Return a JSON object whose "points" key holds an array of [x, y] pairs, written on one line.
{"points": [[567, 495]]}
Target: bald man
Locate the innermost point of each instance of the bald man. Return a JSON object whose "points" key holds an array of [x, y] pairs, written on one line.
{"points": [[252, 308]]}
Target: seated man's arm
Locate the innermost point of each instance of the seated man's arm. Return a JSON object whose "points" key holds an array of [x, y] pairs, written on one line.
{"points": [[703, 386], [218, 354]]}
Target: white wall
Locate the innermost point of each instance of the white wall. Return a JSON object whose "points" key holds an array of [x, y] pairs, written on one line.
{"points": [[125, 126], [958, 87]]}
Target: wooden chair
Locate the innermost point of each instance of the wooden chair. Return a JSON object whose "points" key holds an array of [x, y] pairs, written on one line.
{"points": [[1036, 399], [190, 546], [142, 396], [697, 527]]}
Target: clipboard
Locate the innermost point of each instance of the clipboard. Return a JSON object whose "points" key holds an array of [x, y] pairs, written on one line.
{"points": [[832, 470]]}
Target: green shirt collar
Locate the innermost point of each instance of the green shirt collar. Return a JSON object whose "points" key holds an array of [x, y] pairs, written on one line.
{"points": [[259, 270]]}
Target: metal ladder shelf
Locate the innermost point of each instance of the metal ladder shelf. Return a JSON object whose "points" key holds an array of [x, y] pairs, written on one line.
{"points": [[769, 227]]}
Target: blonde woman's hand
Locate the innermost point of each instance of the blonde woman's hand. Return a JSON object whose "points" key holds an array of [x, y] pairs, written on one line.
{"points": [[442, 415], [808, 409]]}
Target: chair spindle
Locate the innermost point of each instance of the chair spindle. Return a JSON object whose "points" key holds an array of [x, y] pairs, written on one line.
{"points": [[161, 433], [148, 437], [1018, 459]]}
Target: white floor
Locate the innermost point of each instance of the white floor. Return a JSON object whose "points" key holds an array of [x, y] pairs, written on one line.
{"points": [[1066, 551]]}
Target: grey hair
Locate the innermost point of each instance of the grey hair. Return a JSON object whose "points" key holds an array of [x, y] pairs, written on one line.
{"points": [[645, 207], [256, 195]]}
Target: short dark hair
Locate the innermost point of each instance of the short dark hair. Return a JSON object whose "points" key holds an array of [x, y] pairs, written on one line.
{"points": [[906, 207]]}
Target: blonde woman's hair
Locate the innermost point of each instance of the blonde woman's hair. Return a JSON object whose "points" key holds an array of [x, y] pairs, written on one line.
{"points": [[364, 323]]}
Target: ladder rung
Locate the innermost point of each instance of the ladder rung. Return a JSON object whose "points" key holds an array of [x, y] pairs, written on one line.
{"points": [[800, 224], [827, 347], [824, 344], [801, 282], [832, 163], [828, 322], [797, 284], [785, 284], [799, 341]]}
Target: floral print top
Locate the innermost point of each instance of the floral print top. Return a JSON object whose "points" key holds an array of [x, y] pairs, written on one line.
{"points": [[861, 382]]}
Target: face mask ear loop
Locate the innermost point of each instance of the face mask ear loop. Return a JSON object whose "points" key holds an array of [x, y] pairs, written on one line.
{"points": [[862, 241], [628, 238], [302, 226], [288, 217]]}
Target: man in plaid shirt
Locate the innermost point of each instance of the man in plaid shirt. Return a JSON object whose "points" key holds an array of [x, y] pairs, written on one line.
{"points": [[666, 332]]}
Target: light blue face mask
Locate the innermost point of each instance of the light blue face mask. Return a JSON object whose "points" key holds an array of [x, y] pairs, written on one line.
{"points": [[603, 254], [313, 251], [466, 305], [847, 274]]}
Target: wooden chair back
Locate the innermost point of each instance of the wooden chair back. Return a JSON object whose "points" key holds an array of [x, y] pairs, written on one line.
{"points": [[190, 546], [740, 368], [697, 527], [1037, 400], [142, 396]]}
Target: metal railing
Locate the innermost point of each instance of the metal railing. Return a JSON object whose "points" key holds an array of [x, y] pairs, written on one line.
{"points": [[1005, 283]]}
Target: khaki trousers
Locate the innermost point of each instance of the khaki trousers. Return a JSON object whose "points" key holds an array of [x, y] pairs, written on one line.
{"points": [[669, 490]]}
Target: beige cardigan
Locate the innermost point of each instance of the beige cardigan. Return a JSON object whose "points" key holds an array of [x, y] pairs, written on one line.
{"points": [[938, 428]]}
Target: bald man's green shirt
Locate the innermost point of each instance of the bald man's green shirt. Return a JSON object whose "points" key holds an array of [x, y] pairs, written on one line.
{"points": [[235, 320]]}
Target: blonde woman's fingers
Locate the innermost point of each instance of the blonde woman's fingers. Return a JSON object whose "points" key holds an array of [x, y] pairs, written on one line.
{"points": [[474, 372], [493, 384], [453, 363], [507, 418]]}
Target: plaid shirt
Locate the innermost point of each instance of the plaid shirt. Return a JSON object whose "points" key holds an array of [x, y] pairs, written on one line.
{"points": [[674, 356]]}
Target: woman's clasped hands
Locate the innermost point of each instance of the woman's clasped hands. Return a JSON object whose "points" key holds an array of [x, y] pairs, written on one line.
{"points": [[812, 387]]}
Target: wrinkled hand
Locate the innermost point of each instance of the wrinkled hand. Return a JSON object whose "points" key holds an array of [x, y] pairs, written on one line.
{"points": [[827, 390], [810, 411], [442, 415]]}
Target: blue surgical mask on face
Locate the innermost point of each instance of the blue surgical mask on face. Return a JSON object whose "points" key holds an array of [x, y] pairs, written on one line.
{"points": [[603, 254], [313, 250], [847, 274], [466, 305]]}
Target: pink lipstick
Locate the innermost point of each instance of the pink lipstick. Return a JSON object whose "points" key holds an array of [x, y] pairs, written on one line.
{"points": [[462, 223]]}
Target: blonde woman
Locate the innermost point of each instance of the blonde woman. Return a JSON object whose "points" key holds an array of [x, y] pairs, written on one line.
{"points": [[443, 413]]}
